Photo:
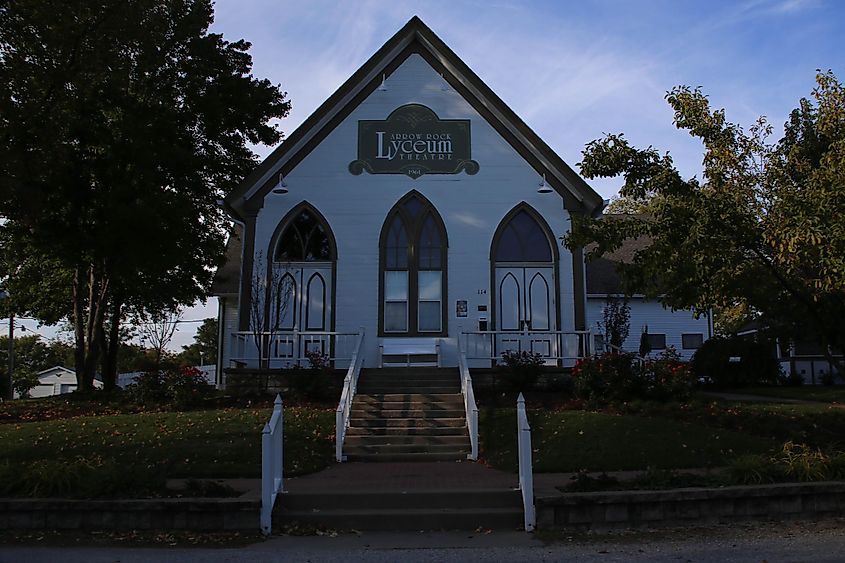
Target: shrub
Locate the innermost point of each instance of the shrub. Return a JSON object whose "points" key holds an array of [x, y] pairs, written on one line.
{"points": [[803, 463], [795, 462], [147, 389], [837, 466], [752, 469], [794, 379], [183, 388], [79, 478], [606, 378], [186, 387], [668, 377], [757, 362], [522, 369], [618, 377], [314, 382]]}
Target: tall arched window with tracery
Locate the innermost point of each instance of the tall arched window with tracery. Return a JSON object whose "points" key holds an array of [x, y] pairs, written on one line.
{"points": [[412, 288], [304, 256]]}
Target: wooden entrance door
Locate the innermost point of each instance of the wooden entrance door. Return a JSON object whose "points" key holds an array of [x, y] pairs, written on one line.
{"points": [[525, 302]]}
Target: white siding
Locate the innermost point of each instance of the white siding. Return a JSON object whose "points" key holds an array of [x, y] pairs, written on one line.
{"points": [[229, 305], [659, 321], [471, 206]]}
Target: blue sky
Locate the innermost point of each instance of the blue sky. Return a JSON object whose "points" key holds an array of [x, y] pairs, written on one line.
{"points": [[572, 70]]}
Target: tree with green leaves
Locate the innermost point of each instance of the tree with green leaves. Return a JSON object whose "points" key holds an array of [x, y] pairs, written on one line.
{"points": [[762, 229], [203, 350], [122, 122]]}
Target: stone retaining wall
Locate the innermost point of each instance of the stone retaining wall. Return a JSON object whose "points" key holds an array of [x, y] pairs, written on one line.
{"points": [[141, 514], [636, 509]]}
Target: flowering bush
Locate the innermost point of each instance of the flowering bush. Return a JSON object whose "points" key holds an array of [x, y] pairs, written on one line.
{"points": [[317, 360], [182, 388], [522, 369], [609, 377], [617, 377], [186, 387], [668, 377]]}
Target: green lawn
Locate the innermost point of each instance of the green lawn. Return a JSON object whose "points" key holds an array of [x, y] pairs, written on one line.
{"points": [[818, 425], [821, 393], [157, 445], [131, 454], [575, 440]]}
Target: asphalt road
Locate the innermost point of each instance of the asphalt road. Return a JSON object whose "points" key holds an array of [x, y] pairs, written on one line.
{"points": [[772, 542]]}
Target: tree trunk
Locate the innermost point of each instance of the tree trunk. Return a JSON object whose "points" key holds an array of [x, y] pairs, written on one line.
{"points": [[110, 363], [78, 328], [89, 308]]}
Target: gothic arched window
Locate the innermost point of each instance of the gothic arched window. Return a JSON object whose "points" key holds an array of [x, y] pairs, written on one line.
{"points": [[413, 265], [304, 239]]}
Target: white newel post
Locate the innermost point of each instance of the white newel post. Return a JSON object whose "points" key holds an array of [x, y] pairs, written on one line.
{"points": [[526, 476], [272, 468]]}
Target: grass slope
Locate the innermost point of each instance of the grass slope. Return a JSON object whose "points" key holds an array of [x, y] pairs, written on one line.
{"points": [[198, 444], [575, 440], [822, 394]]}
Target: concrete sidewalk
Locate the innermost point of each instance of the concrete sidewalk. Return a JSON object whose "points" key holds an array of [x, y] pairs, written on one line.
{"points": [[395, 477]]}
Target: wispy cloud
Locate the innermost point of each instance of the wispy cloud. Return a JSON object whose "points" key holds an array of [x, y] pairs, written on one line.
{"points": [[573, 72]]}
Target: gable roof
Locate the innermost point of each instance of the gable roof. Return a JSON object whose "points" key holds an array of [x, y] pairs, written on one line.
{"points": [[414, 37], [603, 273]]}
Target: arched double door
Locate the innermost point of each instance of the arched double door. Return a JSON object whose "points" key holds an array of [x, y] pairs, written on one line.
{"points": [[300, 279], [524, 284]]}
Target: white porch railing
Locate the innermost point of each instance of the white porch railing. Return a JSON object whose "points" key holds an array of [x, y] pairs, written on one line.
{"points": [[526, 475], [558, 347], [350, 384], [287, 349], [272, 468], [469, 401]]}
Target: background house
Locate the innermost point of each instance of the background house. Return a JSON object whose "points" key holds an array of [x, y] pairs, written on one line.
{"points": [[678, 329], [56, 380]]}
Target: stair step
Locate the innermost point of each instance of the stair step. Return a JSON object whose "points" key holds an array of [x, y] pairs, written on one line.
{"points": [[412, 405], [408, 390], [357, 413], [419, 439], [381, 500], [409, 378], [408, 422], [407, 456], [407, 448], [409, 518], [401, 371], [406, 431], [401, 397]]}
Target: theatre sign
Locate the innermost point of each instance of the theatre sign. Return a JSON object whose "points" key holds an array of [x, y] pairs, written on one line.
{"points": [[414, 141]]}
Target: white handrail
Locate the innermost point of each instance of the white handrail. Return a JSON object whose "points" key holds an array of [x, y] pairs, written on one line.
{"points": [[470, 407], [350, 384], [287, 348], [272, 464], [553, 345], [526, 475]]}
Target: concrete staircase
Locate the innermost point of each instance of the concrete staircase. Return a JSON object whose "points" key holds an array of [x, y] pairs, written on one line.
{"points": [[402, 510], [402, 416], [407, 414]]}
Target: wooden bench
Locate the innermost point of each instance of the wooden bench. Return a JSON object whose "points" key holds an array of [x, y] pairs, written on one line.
{"points": [[409, 352]]}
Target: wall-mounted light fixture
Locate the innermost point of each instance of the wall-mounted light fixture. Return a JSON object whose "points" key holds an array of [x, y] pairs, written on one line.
{"points": [[544, 187], [383, 87], [282, 186]]}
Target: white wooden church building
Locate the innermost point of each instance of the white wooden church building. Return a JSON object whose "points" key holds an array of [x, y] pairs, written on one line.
{"points": [[418, 210]]}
